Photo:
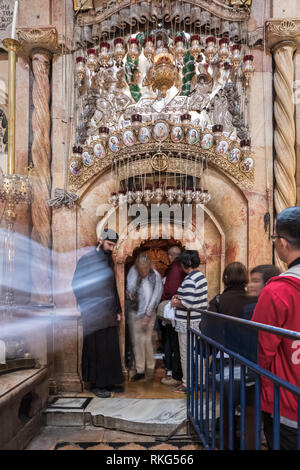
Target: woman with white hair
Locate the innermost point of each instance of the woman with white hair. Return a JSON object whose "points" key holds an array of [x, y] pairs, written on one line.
{"points": [[144, 290]]}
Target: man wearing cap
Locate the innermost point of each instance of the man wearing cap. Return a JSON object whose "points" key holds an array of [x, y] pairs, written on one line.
{"points": [[94, 286]]}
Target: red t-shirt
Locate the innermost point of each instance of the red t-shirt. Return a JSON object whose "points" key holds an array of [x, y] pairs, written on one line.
{"points": [[174, 277], [279, 305]]}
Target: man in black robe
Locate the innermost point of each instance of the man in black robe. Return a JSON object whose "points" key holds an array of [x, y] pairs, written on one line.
{"points": [[94, 286]]}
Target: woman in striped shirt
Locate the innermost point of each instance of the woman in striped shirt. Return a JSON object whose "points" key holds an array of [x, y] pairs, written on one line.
{"points": [[191, 294]]}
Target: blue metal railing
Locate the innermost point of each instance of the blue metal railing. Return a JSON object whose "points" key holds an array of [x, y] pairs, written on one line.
{"points": [[231, 382]]}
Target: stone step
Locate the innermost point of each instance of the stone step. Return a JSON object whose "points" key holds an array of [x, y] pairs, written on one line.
{"points": [[157, 417]]}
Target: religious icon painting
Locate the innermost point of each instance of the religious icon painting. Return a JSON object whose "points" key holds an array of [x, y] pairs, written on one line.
{"points": [[87, 159], [128, 138], [247, 164], [144, 135], [114, 143], [222, 147], [234, 155], [75, 168], [192, 136], [207, 141], [99, 150], [161, 131], [177, 134]]}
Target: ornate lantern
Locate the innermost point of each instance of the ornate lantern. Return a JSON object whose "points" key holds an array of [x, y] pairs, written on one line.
{"points": [[164, 72], [80, 69], [236, 55], [158, 191], [149, 49], [148, 194], [211, 49], [195, 48], [119, 51], [248, 68], [224, 49], [104, 53], [92, 60], [179, 50], [133, 49], [170, 194]]}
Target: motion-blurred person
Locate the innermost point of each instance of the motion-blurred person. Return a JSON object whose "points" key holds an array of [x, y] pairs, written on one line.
{"points": [[191, 294], [144, 289], [174, 276], [279, 305], [97, 297]]}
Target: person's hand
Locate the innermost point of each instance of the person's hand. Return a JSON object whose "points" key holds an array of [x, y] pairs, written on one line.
{"points": [[118, 317], [174, 301]]}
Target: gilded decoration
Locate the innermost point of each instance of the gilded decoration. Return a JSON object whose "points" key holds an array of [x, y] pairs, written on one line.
{"points": [[152, 96]]}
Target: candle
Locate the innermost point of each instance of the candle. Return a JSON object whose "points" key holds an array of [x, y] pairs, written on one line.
{"points": [[14, 22]]}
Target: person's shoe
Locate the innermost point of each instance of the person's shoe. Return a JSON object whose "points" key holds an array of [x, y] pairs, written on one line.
{"points": [[137, 377], [170, 381], [116, 388], [101, 392], [180, 389]]}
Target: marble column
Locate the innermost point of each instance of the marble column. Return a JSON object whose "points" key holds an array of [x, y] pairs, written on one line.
{"points": [[283, 38], [38, 44]]}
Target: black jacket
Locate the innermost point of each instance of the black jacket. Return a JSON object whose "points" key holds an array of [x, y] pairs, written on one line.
{"points": [[96, 293]]}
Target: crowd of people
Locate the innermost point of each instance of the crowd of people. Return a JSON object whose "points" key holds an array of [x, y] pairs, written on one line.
{"points": [[265, 296]]}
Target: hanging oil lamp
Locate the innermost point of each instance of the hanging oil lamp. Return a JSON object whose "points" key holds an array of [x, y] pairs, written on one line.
{"points": [[188, 195], [205, 196], [197, 196], [122, 198], [119, 51], [80, 69], [138, 195], [179, 194], [195, 48], [149, 49], [170, 194], [92, 60], [248, 68], [104, 53], [158, 191], [179, 50], [133, 49], [148, 194], [113, 199], [236, 55], [130, 196], [224, 49], [211, 49]]}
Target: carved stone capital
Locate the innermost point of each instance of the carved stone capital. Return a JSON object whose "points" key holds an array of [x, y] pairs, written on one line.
{"points": [[285, 31], [44, 38]]}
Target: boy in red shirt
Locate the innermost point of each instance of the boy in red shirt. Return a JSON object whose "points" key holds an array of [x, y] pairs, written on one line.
{"points": [[279, 305]]}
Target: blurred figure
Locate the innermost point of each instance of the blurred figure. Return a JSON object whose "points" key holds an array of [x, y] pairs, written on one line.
{"points": [[97, 297], [278, 305], [174, 276], [191, 294], [144, 290], [259, 276]]}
